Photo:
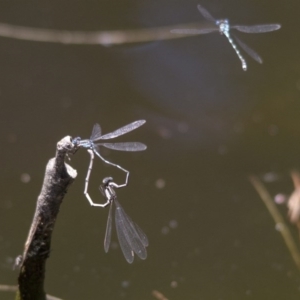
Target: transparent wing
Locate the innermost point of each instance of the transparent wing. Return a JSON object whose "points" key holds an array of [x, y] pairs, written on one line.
{"points": [[142, 235], [96, 133], [125, 246], [192, 31], [249, 51], [130, 232], [257, 28], [135, 228], [107, 238], [122, 130], [129, 146], [206, 14]]}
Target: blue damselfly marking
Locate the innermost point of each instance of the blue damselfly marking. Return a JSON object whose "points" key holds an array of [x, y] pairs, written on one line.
{"points": [[224, 28], [93, 148]]}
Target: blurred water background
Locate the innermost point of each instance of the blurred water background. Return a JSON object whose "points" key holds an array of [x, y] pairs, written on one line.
{"points": [[209, 125]]}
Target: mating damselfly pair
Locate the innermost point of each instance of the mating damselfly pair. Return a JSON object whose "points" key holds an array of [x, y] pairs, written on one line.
{"points": [[131, 237]]}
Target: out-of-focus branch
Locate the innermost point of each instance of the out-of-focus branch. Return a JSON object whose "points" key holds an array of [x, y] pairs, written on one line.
{"points": [[279, 221], [58, 177], [294, 200], [105, 38], [158, 295]]}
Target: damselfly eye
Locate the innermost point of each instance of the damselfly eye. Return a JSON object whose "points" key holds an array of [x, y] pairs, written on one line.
{"points": [[76, 141]]}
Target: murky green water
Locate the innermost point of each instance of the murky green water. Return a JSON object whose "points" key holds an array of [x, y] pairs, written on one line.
{"points": [[209, 125]]}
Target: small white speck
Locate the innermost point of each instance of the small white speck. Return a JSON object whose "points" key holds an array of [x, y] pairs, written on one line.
{"points": [[173, 224], [279, 226], [174, 284], [271, 177], [165, 230], [125, 284], [25, 178], [280, 199], [160, 183]]}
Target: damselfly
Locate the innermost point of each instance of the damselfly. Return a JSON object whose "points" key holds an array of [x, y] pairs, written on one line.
{"points": [[131, 237], [224, 28], [93, 148]]}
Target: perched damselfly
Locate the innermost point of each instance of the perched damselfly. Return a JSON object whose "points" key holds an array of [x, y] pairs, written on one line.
{"points": [[93, 148]]}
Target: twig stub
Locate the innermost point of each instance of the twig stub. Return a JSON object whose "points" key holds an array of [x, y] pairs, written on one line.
{"points": [[58, 177]]}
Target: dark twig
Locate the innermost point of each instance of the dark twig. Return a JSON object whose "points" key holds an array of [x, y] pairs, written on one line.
{"points": [[58, 177], [14, 288]]}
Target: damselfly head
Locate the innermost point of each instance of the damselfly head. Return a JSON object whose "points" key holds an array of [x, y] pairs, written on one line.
{"points": [[223, 25], [107, 188], [76, 141], [107, 180], [222, 22]]}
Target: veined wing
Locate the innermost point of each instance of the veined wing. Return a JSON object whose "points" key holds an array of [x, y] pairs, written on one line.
{"points": [[96, 133], [142, 235], [193, 31], [206, 14], [257, 28], [128, 146], [107, 238], [135, 227], [122, 130], [249, 51], [132, 236], [123, 240]]}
